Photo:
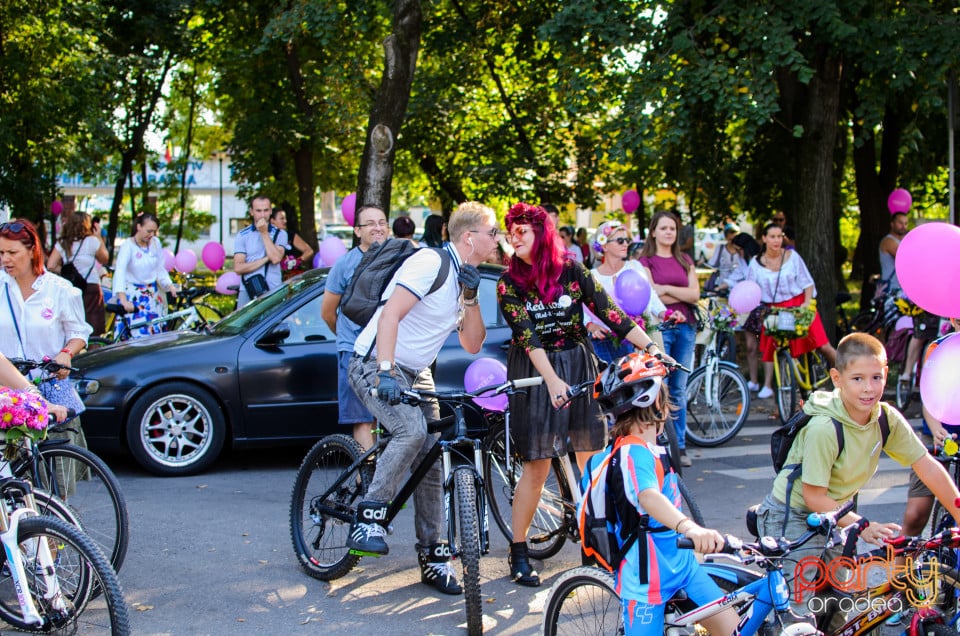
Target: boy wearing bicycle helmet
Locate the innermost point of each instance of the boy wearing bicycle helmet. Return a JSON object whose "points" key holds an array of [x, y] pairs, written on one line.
{"points": [[634, 396]]}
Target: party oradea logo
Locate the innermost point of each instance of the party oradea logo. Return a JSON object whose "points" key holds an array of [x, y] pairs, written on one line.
{"points": [[917, 581]]}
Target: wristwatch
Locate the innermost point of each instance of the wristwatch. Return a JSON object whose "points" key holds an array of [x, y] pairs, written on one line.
{"points": [[386, 365]]}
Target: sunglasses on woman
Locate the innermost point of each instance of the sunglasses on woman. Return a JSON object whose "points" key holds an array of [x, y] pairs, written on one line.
{"points": [[15, 228], [620, 241]]}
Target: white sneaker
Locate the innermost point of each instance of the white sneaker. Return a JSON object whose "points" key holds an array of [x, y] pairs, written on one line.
{"points": [[765, 392], [753, 386]]}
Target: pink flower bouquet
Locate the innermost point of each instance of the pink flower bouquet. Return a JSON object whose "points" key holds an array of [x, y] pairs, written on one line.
{"points": [[22, 414]]}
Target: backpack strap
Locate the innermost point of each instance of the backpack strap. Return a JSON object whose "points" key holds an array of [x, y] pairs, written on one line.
{"points": [[444, 271]]}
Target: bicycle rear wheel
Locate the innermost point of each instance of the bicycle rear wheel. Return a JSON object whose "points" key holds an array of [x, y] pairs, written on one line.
{"points": [[717, 417], [548, 531], [583, 600], [85, 483], [468, 546], [819, 370], [905, 387], [787, 402], [323, 503], [81, 570]]}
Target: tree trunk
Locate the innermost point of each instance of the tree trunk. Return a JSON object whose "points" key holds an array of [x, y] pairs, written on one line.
{"points": [[814, 213], [303, 155], [386, 115]]}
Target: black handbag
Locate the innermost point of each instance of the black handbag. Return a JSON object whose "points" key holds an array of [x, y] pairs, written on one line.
{"points": [[72, 274], [256, 285]]}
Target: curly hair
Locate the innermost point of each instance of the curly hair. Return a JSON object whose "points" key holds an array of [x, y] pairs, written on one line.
{"points": [[547, 255], [75, 229]]}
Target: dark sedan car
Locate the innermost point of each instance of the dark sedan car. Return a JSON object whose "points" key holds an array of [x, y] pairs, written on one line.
{"points": [[264, 375]]}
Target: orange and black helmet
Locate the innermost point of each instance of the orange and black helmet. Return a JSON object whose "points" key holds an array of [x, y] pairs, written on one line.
{"points": [[633, 381]]}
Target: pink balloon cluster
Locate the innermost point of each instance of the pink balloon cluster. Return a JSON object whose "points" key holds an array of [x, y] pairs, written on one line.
{"points": [[485, 372], [928, 269]]}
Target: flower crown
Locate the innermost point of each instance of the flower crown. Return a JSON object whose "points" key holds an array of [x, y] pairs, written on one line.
{"points": [[603, 234], [526, 214]]}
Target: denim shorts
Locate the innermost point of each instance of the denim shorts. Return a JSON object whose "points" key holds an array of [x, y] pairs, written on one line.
{"points": [[352, 410]]}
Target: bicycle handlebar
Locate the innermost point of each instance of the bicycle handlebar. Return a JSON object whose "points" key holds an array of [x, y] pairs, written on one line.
{"points": [[47, 364], [415, 396]]}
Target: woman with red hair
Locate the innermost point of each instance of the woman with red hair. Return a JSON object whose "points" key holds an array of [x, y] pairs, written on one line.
{"points": [[542, 296]]}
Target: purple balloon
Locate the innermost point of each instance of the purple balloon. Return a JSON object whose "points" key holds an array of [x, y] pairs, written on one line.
{"points": [[331, 248], [630, 201], [185, 261], [632, 291], [940, 383], [744, 297], [169, 260], [317, 260], [213, 256], [899, 201], [227, 280], [485, 372], [348, 207], [927, 271]]}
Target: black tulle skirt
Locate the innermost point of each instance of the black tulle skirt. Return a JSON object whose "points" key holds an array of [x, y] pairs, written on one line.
{"points": [[540, 431]]}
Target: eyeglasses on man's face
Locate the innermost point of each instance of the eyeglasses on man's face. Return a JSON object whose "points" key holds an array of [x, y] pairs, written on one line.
{"points": [[372, 224], [492, 232]]}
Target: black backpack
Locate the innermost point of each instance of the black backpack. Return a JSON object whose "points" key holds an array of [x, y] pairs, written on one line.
{"points": [[781, 441], [373, 273]]}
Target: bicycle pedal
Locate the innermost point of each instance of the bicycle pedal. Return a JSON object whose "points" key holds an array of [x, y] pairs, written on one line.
{"points": [[364, 554]]}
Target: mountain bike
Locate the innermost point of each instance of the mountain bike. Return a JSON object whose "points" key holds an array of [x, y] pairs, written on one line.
{"points": [[585, 598], [555, 520], [796, 377], [718, 399], [53, 578], [336, 473], [187, 314], [72, 475]]}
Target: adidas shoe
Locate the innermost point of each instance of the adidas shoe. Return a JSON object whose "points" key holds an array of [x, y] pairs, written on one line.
{"points": [[367, 531], [436, 569]]}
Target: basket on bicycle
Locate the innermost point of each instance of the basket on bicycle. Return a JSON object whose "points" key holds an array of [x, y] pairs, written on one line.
{"points": [[789, 323]]}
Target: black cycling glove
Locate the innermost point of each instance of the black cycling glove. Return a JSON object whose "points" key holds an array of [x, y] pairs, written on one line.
{"points": [[388, 390], [469, 277]]}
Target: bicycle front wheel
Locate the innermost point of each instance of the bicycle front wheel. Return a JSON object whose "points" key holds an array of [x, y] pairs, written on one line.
{"points": [[787, 402], [583, 600], [468, 546], [81, 571], [323, 504], [547, 532], [81, 479], [717, 407]]}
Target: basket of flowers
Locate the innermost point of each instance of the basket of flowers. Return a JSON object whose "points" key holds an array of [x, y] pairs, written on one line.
{"points": [[22, 414], [723, 319], [789, 323]]}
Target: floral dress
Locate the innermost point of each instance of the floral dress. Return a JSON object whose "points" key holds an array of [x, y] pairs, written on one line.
{"points": [[540, 431]]}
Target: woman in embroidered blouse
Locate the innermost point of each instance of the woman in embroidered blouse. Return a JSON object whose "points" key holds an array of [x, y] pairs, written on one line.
{"points": [[785, 281], [542, 296], [675, 279], [139, 278], [612, 242], [81, 246], [41, 313]]}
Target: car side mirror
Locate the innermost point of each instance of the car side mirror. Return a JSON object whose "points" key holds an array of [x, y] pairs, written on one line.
{"points": [[275, 337]]}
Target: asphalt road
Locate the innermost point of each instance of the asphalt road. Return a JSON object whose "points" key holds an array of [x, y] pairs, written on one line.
{"points": [[211, 554]]}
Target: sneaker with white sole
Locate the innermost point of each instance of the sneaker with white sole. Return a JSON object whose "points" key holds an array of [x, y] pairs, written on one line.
{"points": [[765, 392], [436, 569], [753, 386], [367, 531]]}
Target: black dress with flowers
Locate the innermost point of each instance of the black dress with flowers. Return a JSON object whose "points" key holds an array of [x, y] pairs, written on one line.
{"points": [[540, 431]]}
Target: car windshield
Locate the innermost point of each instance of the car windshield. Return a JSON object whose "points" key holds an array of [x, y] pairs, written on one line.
{"points": [[257, 310]]}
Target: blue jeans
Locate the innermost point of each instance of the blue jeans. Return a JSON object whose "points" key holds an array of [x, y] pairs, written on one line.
{"points": [[678, 343]]}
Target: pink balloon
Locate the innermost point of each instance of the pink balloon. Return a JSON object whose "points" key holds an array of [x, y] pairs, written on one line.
{"points": [[213, 256], [169, 260], [940, 383], [928, 269], [485, 372], [899, 201], [744, 297], [632, 292], [185, 261], [348, 206], [227, 280], [630, 201], [331, 248], [56, 207]]}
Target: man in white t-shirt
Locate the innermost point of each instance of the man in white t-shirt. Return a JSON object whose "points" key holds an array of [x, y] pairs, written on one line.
{"points": [[259, 249], [380, 370]]}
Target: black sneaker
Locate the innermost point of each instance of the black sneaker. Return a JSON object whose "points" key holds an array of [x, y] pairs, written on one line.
{"points": [[367, 531], [436, 569]]}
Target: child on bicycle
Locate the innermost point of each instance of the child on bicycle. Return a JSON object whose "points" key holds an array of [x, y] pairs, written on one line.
{"points": [[830, 478], [919, 497], [633, 394]]}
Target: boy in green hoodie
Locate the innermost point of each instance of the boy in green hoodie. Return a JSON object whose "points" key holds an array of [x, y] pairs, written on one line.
{"points": [[828, 480]]}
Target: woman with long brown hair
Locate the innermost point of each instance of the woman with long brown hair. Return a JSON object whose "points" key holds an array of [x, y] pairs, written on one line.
{"points": [[674, 279], [542, 296], [83, 248]]}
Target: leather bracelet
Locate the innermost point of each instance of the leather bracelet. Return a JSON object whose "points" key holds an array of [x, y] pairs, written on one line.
{"points": [[67, 351]]}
